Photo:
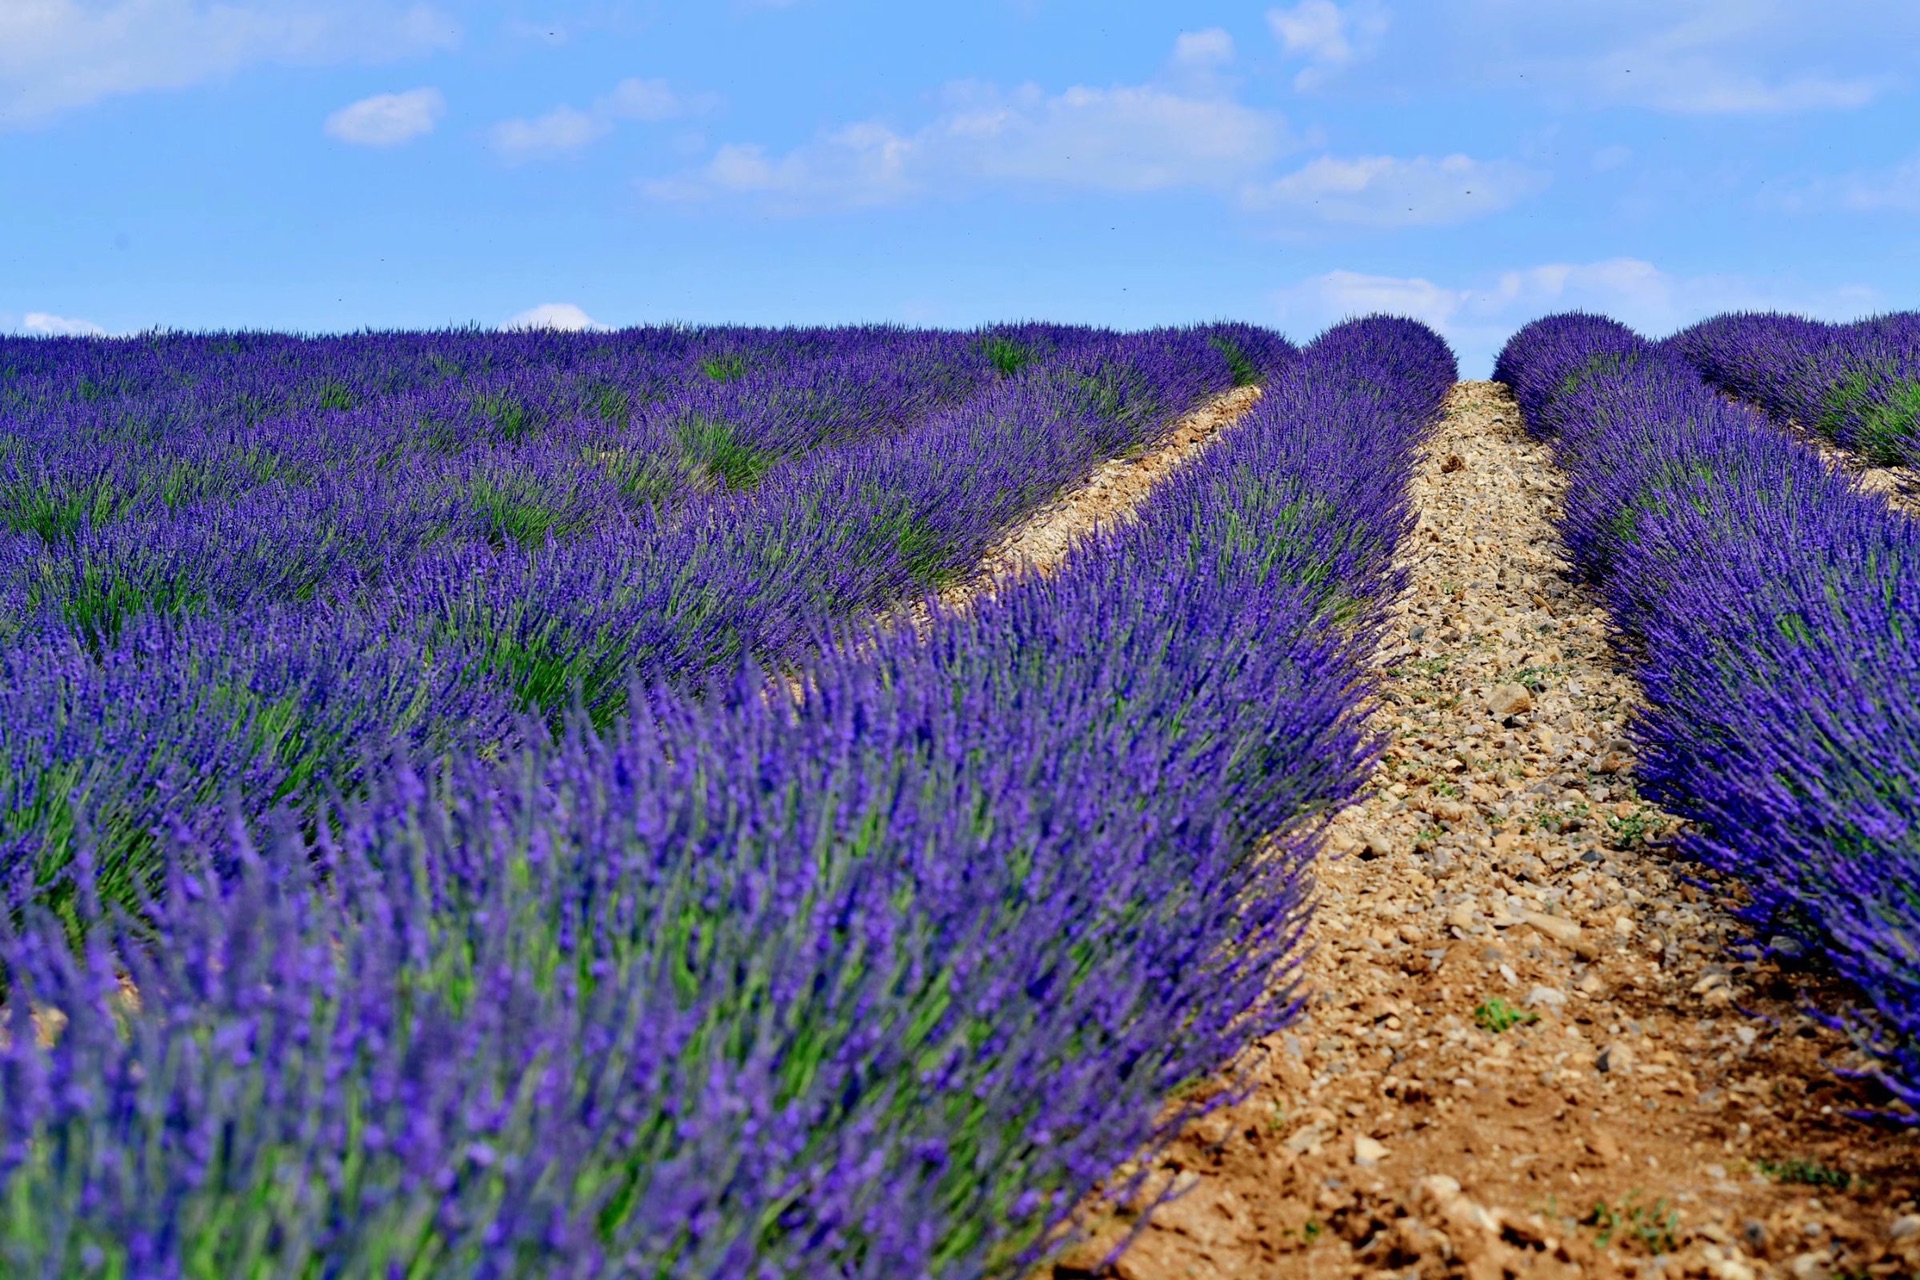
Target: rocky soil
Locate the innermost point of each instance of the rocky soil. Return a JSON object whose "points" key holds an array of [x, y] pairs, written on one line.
{"points": [[1534, 1044]]}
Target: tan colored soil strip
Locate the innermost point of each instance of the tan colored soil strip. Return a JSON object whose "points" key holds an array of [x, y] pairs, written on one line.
{"points": [[1653, 1095], [1109, 496]]}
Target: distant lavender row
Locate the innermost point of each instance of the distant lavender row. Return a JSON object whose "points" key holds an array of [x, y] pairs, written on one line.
{"points": [[96, 431], [1857, 384], [274, 645], [1776, 610], [878, 985]]}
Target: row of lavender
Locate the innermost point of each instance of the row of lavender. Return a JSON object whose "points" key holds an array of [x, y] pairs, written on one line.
{"points": [[1857, 384], [881, 983], [352, 607], [1775, 614]]}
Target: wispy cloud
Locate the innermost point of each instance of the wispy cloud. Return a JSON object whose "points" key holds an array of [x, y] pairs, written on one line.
{"points": [[1479, 315], [46, 324], [1129, 138], [58, 55], [565, 316], [1328, 36], [387, 119], [1699, 57], [1390, 191], [1895, 189], [567, 129]]}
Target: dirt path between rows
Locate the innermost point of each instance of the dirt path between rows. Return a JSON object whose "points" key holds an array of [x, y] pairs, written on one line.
{"points": [[1534, 1044]]}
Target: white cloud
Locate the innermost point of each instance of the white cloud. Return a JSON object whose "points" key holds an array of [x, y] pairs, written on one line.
{"points": [[1329, 36], [58, 55], [564, 316], [1387, 191], [46, 325], [568, 129], [1210, 48], [1479, 316], [1697, 57], [653, 100], [1611, 157], [387, 119], [1890, 190], [561, 130], [1127, 138]]}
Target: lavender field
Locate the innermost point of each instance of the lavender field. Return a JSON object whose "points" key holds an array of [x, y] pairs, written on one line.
{"points": [[412, 869], [520, 804]]}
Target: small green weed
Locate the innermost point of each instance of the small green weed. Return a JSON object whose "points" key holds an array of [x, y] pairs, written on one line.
{"points": [[1655, 1227], [718, 457], [1809, 1173], [335, 395], [727, 368], [509, 416], [1496, 1015], [1006, 355], [1889, 429], [1625, 833], [1244, 372]]}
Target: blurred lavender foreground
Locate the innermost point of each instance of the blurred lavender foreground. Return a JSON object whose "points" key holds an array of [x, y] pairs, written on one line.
{"points": [[1857, 384], [876, 984], [247, 567], [1774, 611]]}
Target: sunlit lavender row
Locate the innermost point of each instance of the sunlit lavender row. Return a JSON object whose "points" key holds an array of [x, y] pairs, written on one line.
{"points": [[1773, 612], [253, 566], [1856, 384], [705, 979]]}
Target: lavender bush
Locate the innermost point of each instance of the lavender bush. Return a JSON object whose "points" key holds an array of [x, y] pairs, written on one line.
{"points": [[205, 601], [1773, 609], [1857, 384], [875, 983]]}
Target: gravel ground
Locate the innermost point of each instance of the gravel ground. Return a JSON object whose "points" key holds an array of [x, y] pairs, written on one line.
{"points": [[1534, 1044]]}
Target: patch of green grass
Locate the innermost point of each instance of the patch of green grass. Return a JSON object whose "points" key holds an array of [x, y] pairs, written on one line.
{"points": [[1006, 355], [518, 516], [643, 478], [103, 599], [57, 514], [1535, 677], [611, 404], [1244, 372], [1809, 1173], [1890, 429], [1555, 819], [727, 368], [511, 418], [1625, 833], [1656, 1227], [1496, 1015], [335, 395], [717, 457]]}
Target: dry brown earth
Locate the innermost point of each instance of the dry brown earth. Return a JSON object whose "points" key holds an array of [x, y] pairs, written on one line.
{"points": [[1661, 1102]]}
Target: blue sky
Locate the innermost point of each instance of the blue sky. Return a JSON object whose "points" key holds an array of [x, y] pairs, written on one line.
{"points": [[341, 164]]}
